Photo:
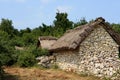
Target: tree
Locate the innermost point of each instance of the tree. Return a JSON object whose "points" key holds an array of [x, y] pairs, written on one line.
{"points": [[116, 27], [6, 50], [62, 21], [28, 39], [81, 22], [27, 30], [6, 26]]}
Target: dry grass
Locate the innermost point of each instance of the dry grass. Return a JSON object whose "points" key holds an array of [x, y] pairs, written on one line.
{"points": [[42, 74]]}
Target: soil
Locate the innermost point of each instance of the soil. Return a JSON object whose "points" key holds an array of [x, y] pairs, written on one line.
{"points": [[16, 73]]}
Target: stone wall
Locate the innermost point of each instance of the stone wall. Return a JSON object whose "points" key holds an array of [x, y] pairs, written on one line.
{"points": [[97, 54]]}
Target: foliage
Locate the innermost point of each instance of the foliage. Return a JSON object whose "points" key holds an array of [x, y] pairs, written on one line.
{"points": [[26, 59], [116, 27], [17, 41], [40, 52], [60, 25], [6, 25], [28, 39], [27, 30], [62, 21], [6, 52], [1, 71], [81, 22]]}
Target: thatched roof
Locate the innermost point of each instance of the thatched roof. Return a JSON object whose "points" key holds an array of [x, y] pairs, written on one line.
{"points": [[72, 38], [47, 38]]}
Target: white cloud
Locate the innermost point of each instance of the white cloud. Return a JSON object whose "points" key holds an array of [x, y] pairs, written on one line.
{"points": [[64, 8]]}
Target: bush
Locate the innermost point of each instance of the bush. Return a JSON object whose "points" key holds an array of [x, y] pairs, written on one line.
{"points": [[1, 71], [6, 55], [26, 59], [5, 59], [40, 52]]}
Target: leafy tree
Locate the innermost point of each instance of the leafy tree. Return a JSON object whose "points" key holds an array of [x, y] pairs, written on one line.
{"points": [[62, 21], [81, 22], [7, 55], [6, 25], [116, 27], [28, 39], [58, 32], [6, 50], [27, 30], [60, 25]]}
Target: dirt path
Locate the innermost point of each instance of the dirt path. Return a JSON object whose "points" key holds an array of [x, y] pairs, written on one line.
{"points": [[42, 74]]}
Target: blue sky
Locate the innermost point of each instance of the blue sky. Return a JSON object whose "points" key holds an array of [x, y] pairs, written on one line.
{"points": [[32, 13]]}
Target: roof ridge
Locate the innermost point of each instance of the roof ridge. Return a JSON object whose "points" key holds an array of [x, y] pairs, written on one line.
{"points": [[96, 22], [100, 19], [72, 38]]}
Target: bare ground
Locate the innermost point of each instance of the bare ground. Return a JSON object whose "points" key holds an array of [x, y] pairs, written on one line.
{"points": [[15, 73]]}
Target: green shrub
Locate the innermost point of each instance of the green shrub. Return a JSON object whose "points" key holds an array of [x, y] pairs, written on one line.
{"points": [[5, 59], [26, 59], [6, 55], [1, 71], [40, 52]]}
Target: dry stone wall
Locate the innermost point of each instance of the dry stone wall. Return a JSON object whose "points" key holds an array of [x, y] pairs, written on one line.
{"points": [[97, 54]]}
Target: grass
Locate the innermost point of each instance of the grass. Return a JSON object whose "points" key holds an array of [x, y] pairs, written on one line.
{"points": [[16, 73]]}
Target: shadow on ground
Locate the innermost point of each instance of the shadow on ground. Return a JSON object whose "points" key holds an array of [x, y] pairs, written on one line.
{"points": [[10, 77]]}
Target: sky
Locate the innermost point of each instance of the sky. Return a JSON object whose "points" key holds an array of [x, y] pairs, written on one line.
{"points": [[32, 13]]}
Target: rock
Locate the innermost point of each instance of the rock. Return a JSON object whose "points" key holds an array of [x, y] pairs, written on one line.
{"points": [[45, 61]]}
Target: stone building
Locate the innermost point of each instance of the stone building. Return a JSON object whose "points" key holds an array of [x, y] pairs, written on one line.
{"points": [[92, 48], [46, 41]]}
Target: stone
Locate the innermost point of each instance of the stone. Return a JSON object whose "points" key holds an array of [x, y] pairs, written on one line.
{"points": [[45, 61], [97, 54]]}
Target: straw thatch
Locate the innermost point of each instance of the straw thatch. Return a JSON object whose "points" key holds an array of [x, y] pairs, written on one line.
{"points": [[72, 38], [47, 38], [46, 41]]}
